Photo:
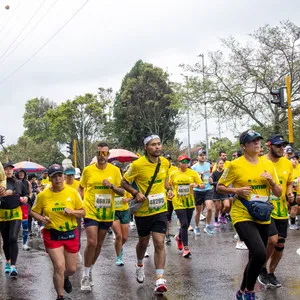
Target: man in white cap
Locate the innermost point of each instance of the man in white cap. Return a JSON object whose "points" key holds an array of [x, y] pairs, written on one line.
{"points": [[151, 217]]}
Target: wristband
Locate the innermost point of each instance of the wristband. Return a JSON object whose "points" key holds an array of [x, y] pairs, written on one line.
{"points": [[112, 187]]}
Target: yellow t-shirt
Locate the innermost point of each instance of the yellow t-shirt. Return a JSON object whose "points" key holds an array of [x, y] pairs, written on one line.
{"points": [[296, 182], [284, 170], [52, 205], [171, 170], [46, 181], [99, 199], [226, 165], [119, 204], [2, 176], [184, 195], [10, 214], [74, 185], [242, 173], [139, 175]]}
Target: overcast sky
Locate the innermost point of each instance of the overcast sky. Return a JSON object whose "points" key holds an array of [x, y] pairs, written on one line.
{"points": [[105, 39]]}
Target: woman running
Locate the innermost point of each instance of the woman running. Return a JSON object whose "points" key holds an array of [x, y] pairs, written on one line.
{"points": [[252, 179]]}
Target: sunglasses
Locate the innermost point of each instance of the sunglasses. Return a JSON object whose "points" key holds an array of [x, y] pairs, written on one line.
{"points": [[185, 161], [251, 133], [279, 146], [102, 153]]}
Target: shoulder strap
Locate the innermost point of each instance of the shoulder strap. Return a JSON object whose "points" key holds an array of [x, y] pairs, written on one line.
{"points": [[153, 177], [244, 202]]}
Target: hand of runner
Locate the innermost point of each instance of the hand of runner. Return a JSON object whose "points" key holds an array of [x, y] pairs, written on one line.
{"points": [[268, 176], [140, 197], [46, 220], [2, 191], [68, 211], [244, 191], [170, 194], [106, 183], [290, 197], [23, 199], [9, 192]]}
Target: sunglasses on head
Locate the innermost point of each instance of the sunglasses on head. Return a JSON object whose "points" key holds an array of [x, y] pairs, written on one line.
{"points": [[185, 161], [102, 153], [251, 133]]}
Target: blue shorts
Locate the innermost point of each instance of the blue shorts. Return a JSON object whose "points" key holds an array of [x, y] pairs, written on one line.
{"points": [[101, 225]]}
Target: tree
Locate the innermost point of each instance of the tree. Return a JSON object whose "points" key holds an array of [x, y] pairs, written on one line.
{"points": [[145, 104], [36, 122], [238, 84]]}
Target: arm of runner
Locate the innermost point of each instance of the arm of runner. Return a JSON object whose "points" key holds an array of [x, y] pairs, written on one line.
{"points": [[241, 191], [289, 192], [130, 189], [169, 189], [78, 213], [276, 188], [117, 190], [40, 218]]}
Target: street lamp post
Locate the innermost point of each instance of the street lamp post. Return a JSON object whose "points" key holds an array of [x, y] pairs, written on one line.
{"points": [[188, 117], [205, 108]]}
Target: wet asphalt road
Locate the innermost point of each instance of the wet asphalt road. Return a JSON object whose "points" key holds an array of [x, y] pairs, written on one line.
{"points": [[213, 272]]}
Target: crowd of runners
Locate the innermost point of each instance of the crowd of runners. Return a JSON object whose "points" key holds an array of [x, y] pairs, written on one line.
{"points": [[258, 192]]}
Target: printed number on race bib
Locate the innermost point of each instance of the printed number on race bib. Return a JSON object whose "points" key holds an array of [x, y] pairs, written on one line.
{"points": [[256, 197], [156, 201], [103, 200], [118, 202], [183, 190]]}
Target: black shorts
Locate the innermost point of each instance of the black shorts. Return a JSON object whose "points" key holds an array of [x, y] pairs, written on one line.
{"points": [[201, 197], [154, 223], [278, 226], [101, 225], [170, 210]]}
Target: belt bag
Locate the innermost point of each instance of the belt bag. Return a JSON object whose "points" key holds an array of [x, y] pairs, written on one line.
{"points": [[57, 235], [259, 210], [10, 202]]}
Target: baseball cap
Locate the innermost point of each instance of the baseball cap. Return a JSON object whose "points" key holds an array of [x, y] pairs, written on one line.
{"points": [[70, 171], [183, 157], [276, 139], [168, 156], [249, 136], [295, 155], [8, 164], [55, 169], [289, 149], [201, 151], [44, 171]]}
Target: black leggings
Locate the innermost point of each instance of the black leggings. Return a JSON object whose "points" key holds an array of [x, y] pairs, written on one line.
{"points": [[10, 231], [170, 210], [255, 237], [184, 216]]}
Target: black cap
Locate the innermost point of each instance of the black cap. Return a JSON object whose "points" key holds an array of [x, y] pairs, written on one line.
{"points": [[249, 136], [45, 171], [8, 164], [276, 139], [55, 169]]}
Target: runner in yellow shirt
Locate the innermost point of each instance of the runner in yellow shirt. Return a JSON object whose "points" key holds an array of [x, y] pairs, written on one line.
{"points": [[223, 156], [252, 179], [151, 217], [45, 179], [98, 185], [279, 217], [183, 181], [58, 207]]}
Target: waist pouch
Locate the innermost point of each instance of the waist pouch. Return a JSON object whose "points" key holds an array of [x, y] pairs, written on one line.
{"points": [[259, 210], [134, 205], [10, 202], [56, 235]]}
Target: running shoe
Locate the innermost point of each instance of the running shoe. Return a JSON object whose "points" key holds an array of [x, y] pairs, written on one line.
{"points": [[85, 284], [7, 268], [68, 285], [217, 224], [179, 242], [168, 239], [131, 224], [119, 261], [109, 231], [60, 298], [249, 295], [26, 247], [197, 231], [238, 295], [263, 278], [13, 272], [186, 253], [209, 230], [273, 280], [294, 227], [241, 245], [236, 236], [298, 251], [146, 254], [223, 220], [202, 217], [160, 286], [91, 279], [139, 274]]}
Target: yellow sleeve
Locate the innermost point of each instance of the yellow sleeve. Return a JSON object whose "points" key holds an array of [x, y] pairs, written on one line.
{"points": [[2, 176], [131, 173], [83, 179], [228, 176], [38, 204]]}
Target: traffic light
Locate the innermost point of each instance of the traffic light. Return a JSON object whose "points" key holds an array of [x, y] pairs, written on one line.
{"points": [[279, 97], [70, 148], [2, 139]]}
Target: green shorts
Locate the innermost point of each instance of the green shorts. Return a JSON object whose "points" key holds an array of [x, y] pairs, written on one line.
{"points": [[123, 216]]}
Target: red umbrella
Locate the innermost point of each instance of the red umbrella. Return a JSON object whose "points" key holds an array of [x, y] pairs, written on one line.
{"points": [[29, 166], [121, 155]]}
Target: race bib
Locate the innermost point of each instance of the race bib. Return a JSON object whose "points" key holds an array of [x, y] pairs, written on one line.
{"points": [[206, 180], [118, 203], [183, 190], [156, 201], [256, 197], [103, 200]]}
